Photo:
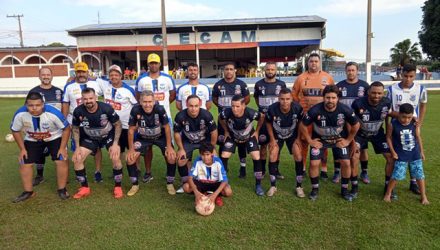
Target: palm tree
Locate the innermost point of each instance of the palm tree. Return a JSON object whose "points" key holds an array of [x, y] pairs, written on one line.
{"points": [[403, 52]]}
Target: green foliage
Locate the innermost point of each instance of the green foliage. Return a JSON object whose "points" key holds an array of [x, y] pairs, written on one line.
{"points": [[429, 35], [404, 52]]}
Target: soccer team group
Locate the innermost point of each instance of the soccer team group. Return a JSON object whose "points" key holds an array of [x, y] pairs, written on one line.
{"points": [[312, 117]]}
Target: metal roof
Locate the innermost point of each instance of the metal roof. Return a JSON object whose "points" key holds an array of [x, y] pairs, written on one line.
{"points": [[198, 23]]}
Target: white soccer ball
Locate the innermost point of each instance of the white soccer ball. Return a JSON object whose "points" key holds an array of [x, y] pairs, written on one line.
{"points": [[9, 138], [205, 207]]}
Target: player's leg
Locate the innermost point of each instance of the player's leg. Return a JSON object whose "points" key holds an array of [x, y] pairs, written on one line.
{"points": [[273, 166], [263, 140], [295, 151], [132, 169], [98, 166], [416, 170], [252, 149], [364, 166], [171, 165], [399, 172], [84, 150], [343, 155], [39, 164], [354, 163], [315, 161], [117, 170], [62, 167], [242, 155], [228, 149], [182, 167], [148, 159], [323, 175]]}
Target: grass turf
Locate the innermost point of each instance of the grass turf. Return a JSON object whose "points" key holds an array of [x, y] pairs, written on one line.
{"points": [[154, 219]]}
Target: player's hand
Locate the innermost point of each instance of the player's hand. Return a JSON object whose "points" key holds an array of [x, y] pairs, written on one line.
{"points": [[342, 143], [22, 155], [132, 155], [255, 134], [212, 197], [198, 196], [114, 151], [417, 122], [181, 154], [316, 143], [77, 155], [227, 135], [395, 156], [62, 154], [170, 153], [422, 155]]}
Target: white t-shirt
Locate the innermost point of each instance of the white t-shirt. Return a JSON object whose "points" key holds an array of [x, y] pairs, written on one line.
{"points": [[415, 95], [161, 88], [72, 93], [201, 90], [121, 99]]}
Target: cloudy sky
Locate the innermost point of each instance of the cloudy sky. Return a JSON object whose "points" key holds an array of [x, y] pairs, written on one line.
{"points": [[46, 21]]}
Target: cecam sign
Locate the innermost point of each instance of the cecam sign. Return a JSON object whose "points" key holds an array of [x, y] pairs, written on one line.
{"points": [[207, 37]]}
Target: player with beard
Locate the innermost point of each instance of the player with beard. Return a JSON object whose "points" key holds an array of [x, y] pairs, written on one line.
{"points": [[329, 121], [193, 87], [95, 125], [222, 94], [237, 122], [52, 96], [266, 93]]}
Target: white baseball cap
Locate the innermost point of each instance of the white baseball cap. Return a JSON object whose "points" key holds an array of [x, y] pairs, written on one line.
{"points": [[116, 68]]}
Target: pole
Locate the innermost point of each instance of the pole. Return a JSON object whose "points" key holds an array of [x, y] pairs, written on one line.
{"points": [[369, 36], [20, 31], [164, 38]]}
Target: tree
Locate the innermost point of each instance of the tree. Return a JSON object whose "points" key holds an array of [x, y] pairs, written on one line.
{"points": [[55, 44], [429, 35], [403, 52]]}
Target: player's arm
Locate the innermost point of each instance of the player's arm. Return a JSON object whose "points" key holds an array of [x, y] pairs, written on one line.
{"points": [[137, 95], [389, 138], [64, 139], [269, 126], [75, 135], [214, 135], [20, 143], [172, 95], [222, 123], [295, 90], [169, 151], [179, 105], [118, 131], [422, 112], [259, 124], [419, 140], [131, 154], [247, 99], [193, 186], [215, 100], [65, 108], [208, 105], [307, 120]]}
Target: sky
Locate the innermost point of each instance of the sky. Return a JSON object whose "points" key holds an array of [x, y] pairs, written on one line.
{"points": [[46, 21]]}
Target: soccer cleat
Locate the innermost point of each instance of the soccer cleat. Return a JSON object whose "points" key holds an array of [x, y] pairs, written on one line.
{"points": [[98, 177], [133, 190], [413, 187], [354, 193], [180, 190], [259, 190], [171, 190], [82, 192], [300, 192], [336, 178], [346, 195], [279, 176], [117, 193], [314, 194], [37, 180], [324, 176], [219, 201], [272, 190], [24, 196], [394, 196], [147, 178], [365, 178], [63, 194]]}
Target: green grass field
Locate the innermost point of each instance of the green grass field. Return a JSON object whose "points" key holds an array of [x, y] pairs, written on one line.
{"points": [[154, 219]]}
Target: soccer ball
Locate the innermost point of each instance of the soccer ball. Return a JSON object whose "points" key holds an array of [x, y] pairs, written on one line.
{"points": [[205, 207], [9, 138]]}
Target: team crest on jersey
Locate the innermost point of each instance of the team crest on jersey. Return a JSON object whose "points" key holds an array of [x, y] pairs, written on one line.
{"points": [[361, 91], [162, 86], [324, 81], [277, 90], [200, 93], [118, 96], [137, 145], [156, 119], [384, 113], [315, 151], [344, 91], [104, 120], [237, 90], [202, 124], [58, 94], [263, 90], [247, 121], [412, 98], [340, 120], [45, 125]]}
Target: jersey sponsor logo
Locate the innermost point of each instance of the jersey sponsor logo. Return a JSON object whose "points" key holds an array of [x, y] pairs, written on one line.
{"points": [[312, 92], [361, 91], [115, 105], [137, 145], [159, 96], [412, 98], [45, 125], [39, 136], [237, 90]]}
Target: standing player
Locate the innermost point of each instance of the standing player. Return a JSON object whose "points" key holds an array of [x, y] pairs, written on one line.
{"points": [[330, 130], [372, 111], [95, 125], [164, 90], [44, 127], [237, 122], [266, 92], [351, 89], [52, 96], [150, 123], [208, 175], [222, 94], [407, 91], [307, 90], [72, 98], [282, 119], [120, 96], [192, 126], [193, 87]]}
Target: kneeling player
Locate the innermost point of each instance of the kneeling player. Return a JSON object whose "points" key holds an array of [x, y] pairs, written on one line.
{"points": [[281, 120], [330, 131], [44, 126], [208, 175], [150, 123], [237, 124], [95, 125]]}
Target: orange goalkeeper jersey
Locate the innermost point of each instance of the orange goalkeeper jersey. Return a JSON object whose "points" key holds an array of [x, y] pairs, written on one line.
{"points": [[308, 87]]}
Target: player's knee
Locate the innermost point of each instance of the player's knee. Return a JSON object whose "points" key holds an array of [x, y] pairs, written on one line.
{"points": [[227, 191], [187, 188]]}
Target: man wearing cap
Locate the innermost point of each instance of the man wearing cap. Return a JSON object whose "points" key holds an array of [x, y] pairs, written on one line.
{"points": [[72, 99], [193, 87], [121, 97], [164, 91]]}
